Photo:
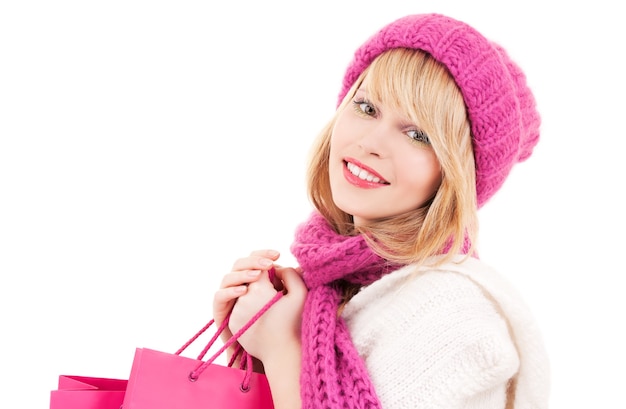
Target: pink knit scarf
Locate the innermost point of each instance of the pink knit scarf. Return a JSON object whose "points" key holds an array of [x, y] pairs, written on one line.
{"points": [[333, 374]]}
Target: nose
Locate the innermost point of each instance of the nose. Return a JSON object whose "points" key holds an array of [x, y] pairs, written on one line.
{"points": [[374, 140]]}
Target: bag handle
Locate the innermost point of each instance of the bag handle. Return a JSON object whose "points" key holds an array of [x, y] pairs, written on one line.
{"points": [[246, 359]]}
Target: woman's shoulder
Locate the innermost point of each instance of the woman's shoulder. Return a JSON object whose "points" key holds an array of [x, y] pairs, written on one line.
{"points": [[438, 296], [438, 332], [461, 299], [412, 287], [461, 279], [455, 323]]}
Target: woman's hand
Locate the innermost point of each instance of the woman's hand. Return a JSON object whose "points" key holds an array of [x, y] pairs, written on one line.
{"points": [[274, 339], [246, 289], [235, 284], [278, 329]]}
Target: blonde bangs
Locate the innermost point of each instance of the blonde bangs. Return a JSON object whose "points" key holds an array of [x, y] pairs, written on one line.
{"points": [[422, 90], [419, 88]]}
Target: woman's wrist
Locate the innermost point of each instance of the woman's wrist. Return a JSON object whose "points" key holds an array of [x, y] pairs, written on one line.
{"points": [[283, 375]]}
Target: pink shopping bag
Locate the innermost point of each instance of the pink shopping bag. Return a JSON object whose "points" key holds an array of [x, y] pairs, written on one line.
{"points": [[161, 380], [83, 392]]}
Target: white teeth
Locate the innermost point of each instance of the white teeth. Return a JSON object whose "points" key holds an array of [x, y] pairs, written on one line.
{"points": [[362, 174]]}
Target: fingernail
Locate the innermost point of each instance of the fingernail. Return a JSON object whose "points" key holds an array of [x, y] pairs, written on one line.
{"points": [[265, 262]]}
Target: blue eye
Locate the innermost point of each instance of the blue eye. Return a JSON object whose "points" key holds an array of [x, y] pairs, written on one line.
{"points": [[419, 136]]}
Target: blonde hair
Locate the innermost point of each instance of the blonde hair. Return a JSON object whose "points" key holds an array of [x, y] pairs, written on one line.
{"points": [[417, 86]]}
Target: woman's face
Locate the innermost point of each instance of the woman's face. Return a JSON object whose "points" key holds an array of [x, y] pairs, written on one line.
{"points": [[381, 164]]}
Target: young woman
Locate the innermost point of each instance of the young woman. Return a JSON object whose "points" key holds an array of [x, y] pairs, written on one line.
{"points": [[390, 306]]}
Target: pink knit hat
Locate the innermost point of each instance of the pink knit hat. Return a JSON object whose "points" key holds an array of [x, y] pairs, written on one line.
{"points": [[501, 107]]}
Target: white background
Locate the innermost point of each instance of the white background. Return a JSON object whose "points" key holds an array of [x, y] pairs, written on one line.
{"points": [[144, 145]]}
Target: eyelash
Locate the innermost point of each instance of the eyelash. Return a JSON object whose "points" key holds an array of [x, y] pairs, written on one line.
{"points": [[419, 137], [357, 107]]}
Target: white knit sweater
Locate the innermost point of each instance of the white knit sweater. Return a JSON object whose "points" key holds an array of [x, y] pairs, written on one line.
{"points": [[454, 336]]}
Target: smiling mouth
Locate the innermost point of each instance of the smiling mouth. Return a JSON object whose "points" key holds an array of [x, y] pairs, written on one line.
{"points": [[364, 175]]}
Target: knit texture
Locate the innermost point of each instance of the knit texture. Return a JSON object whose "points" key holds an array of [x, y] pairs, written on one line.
{"points": [[333, 375], [500, 106], [432, 339], [450, 336]]}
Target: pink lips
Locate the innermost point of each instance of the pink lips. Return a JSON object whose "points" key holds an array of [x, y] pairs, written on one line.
{"points": [[362, 183]]}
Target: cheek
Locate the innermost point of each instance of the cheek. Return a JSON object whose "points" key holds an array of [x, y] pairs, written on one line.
{"points": [[341, 133], [335, 144], [435, 182], [433, 176], [424, 173]]}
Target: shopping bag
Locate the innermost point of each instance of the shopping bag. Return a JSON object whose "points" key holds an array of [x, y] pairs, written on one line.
{"points": [[161, 380], [83, 392]]}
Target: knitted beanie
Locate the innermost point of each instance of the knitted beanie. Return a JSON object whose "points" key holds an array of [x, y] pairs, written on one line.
{"points": [[500, 106]]}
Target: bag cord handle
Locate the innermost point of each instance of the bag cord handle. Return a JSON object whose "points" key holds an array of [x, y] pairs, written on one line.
{"points": [[195, 373], [246, 359]]}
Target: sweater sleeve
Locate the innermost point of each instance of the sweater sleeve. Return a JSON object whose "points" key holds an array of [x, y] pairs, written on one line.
{"points": [[435, 340]]}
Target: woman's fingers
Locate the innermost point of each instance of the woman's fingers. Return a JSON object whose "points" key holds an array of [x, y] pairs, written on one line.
{"points": [[292, 282], [239, 277], [224, 299], [284, 316], [228, 294], [257, 260], [248, 269]]}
